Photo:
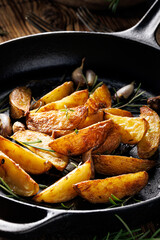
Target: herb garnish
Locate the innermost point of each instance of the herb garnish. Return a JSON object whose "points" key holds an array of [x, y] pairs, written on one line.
{"points": [[131, 104], [5, 187], [113, 5], [30, 144], [67, 110]]}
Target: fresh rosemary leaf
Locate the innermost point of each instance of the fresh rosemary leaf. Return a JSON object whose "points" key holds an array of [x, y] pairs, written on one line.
{"points": [[45, 149], [115, 198], [42, 186], [126, 226], [112, 201], [8, 189], [32, 142]]}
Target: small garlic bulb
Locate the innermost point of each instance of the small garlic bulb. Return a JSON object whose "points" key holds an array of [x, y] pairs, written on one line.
{"points": [[5, 125]]}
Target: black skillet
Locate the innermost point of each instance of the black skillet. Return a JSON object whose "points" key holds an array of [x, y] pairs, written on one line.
{"points": [[117, 58]]}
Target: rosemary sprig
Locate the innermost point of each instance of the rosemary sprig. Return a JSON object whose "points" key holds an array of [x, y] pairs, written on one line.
{"points": [[113, 5], [131, 103], [5, 187], [67, 111], [41, 148]]}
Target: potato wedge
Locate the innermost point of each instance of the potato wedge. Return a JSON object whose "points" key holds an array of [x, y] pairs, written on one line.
{"points": [[56, 94], [112, 165], [118, 112], [60, 133], [19, 99], [100, 98], [75, 99], [100, 190], [150, 142], [62, 190], [16, 178], [29, 161], [111, 143], [132, 129], [77, 143], [59, 161], [46, 122], [92, 119], [87, 156]]}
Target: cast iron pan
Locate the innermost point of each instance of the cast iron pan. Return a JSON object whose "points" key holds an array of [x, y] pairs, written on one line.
{"points": [[117, 58]]}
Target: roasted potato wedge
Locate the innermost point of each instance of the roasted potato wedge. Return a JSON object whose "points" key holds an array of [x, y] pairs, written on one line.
{"points": [[80, 142], [16, 178], [111, 143], [118, 112], [62, 190], [29, 161], [112, 165], [60, 133], [100, 98], [59, 161], [75, 99], [46, 122], [132, 129], [56, 94], [92, 119], [87, 156], [150, 141], [100, 190], [19, 99]]}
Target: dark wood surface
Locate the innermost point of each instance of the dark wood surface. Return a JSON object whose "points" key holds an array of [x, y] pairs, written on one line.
{"points": [[12, 21]]}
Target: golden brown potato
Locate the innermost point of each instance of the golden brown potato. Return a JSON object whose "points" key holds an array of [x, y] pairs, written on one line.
{"points": [[111, 143], [87, 156], [116, 165], [19, 99], [80, 142], [132, 129], [60, 133], [29, 161], [16, 178], [92, 119], [100, 98], [77, 98], [56, 94], [46, 122], [62, 190], [150, 142], [118, 111], [100, 190], [42, 140]]}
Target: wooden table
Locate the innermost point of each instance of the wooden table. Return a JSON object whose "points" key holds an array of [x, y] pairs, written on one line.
{"points": [[12, 20]]}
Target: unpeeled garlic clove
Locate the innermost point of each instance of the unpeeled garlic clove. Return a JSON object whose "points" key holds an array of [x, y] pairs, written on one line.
{"points": [[125, 91], [5, 125]]}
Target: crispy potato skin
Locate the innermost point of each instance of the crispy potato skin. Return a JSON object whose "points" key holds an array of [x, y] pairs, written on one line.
{"points": [[59, 161], [150, 142], [77, 143], [100, 190], [77, 98], [132, 129], [118, 112], [16, 178], [28, 160], [100, 98], [62, 190], [112, 165], [46, 122], [92, 119], [56, 94], [111, 143], [19, 99]]}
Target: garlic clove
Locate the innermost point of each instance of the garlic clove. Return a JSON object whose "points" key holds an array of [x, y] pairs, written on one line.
{"points": [[5, 125], [125, 91]]}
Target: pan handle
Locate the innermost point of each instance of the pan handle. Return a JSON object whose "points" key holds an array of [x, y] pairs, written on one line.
{"points": [[145, 30], [22, 218]]}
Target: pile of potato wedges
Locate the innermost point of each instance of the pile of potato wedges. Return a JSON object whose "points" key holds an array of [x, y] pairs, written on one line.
{"points": [[66, 124]]}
